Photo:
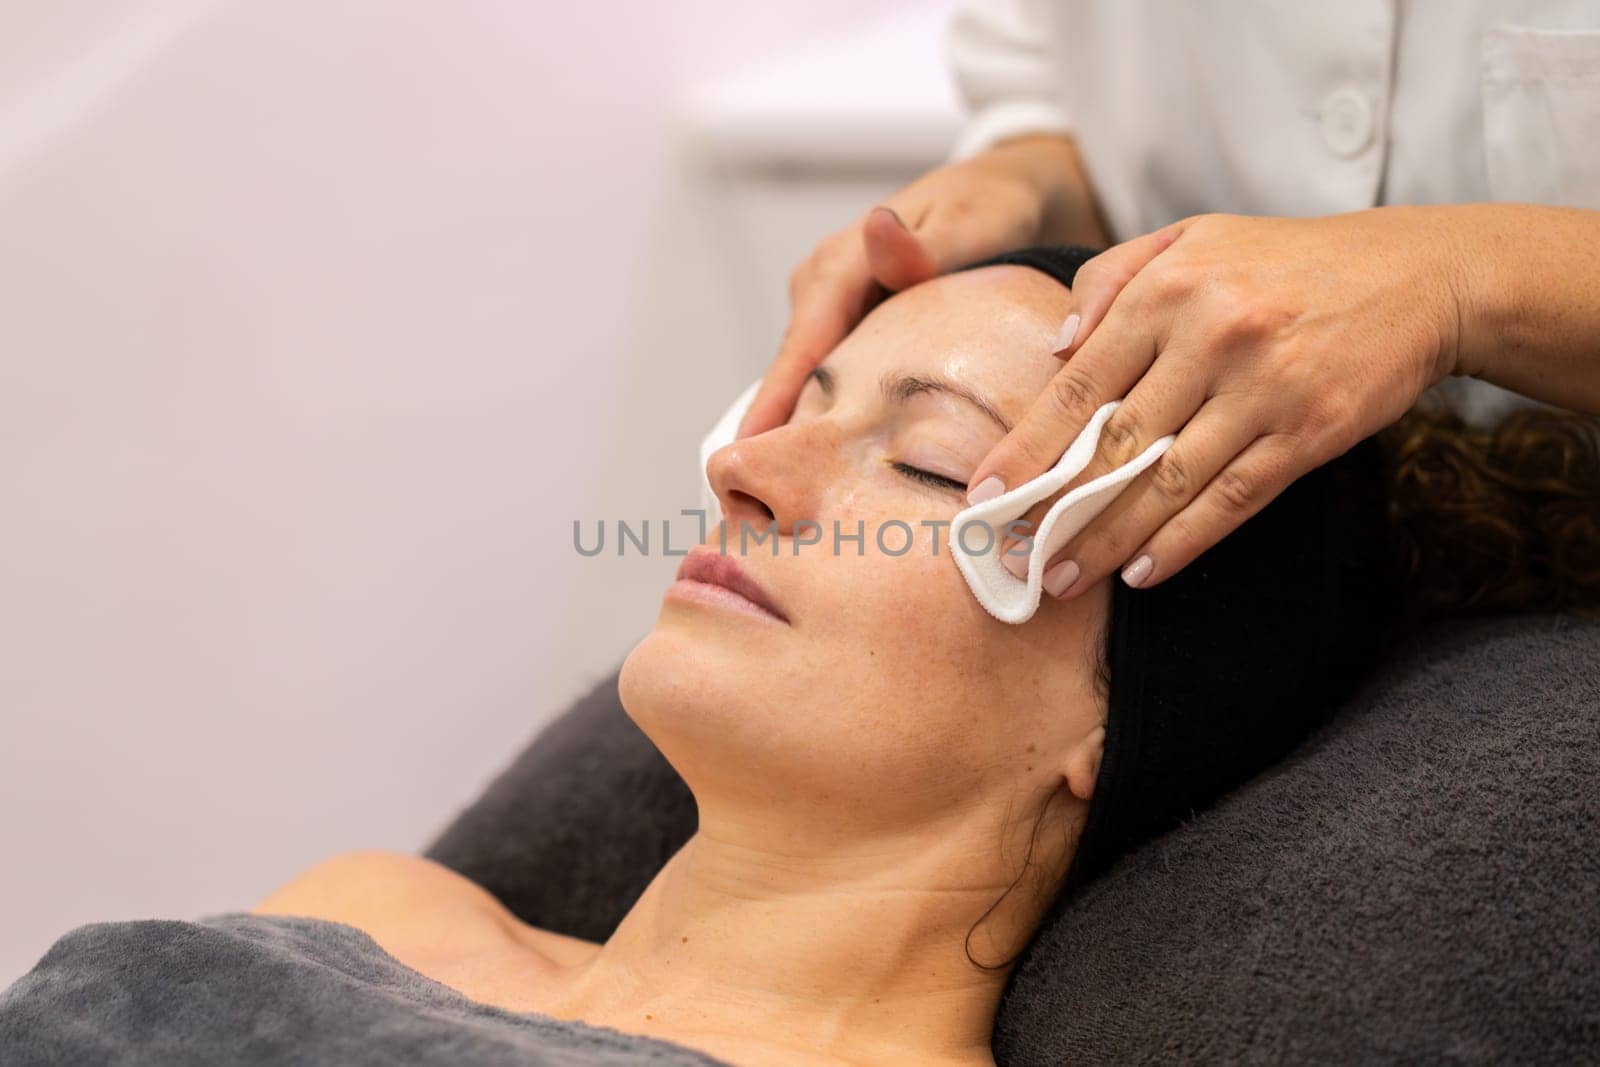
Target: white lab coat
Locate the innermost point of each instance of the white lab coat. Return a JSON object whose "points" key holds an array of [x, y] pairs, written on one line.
{"points": [[1272, 107], [1292, 107]]}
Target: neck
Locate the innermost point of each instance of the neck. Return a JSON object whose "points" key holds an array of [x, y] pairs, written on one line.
{"points": [[861, 955]]}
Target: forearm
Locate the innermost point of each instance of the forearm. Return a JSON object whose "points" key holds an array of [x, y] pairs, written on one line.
{"points": [[1530, 299], [1072, 213]]}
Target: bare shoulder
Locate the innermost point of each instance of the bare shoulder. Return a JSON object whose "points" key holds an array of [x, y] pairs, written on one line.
{"points": [[376, 885], [401, 899]]}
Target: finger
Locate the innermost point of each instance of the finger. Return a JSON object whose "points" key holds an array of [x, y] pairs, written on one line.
{"points": [[1242, 488], [1099, 280], [1167, 399], [906, 246], [896, 257], [889, 256], [822, 316], [1104, 370], [1214, 437]]}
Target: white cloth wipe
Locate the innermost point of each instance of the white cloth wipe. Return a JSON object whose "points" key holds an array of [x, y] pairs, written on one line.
{"points": [[977, 532]]}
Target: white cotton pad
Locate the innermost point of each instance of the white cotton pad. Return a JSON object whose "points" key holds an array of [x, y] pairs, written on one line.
{"points": [[1002, 594], [976, 548]]}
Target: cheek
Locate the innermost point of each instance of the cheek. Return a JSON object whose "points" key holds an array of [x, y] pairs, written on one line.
{"points": [[935, 686], [913, 657]]}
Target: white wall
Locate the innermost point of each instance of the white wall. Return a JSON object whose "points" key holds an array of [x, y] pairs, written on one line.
{"points": [[320, 320]]}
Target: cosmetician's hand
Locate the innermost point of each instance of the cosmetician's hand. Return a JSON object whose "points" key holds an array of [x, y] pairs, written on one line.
{"points": [[1008, 196], [1267, 345]]}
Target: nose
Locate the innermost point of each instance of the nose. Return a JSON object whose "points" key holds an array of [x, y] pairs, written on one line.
{"points": [[779, 476]]}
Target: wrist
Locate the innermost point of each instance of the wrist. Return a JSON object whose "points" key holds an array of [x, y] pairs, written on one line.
{"points": [[1466, 270], [1050, 164], [1497, 283], [1453, 269], [1521, 314]]}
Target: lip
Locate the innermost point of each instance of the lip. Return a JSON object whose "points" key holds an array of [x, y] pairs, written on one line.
{"points": [[708, 574]]}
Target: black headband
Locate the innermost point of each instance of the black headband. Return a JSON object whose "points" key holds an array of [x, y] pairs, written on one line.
{"points": [[1221, 669]]}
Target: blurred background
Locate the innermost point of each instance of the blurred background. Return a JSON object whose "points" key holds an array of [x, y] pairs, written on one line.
{"points": [[321, 321]]}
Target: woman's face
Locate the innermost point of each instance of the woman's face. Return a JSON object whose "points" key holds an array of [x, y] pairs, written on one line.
{"points": [[889, 700]]}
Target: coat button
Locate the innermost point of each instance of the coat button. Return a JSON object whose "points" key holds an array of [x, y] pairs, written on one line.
{"points": [[1346, 121]]}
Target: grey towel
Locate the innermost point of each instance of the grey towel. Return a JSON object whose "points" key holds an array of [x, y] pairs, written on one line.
{"points": [[255, 989]]}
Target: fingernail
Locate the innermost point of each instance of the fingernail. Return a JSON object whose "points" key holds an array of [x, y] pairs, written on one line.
{"points": [[1138, 571], [893, 215], [987, 489], [1069, 330], [1059, 577], [1013, 561]]}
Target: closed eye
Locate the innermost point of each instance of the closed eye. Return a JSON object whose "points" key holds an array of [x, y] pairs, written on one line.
{"points": [[938, 481]]}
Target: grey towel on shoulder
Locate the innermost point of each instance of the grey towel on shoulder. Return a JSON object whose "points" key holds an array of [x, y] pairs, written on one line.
{"points": [[257, 989]]}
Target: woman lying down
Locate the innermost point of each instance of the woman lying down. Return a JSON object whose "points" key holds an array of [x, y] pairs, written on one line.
{"points": [[895, 791]]}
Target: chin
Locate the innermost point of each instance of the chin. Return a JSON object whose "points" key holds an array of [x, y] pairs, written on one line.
{"points": [[679, 688], [712, 706], [697, 656]]}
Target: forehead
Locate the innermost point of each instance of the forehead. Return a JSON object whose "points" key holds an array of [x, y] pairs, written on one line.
{"points": [[991, 329]]}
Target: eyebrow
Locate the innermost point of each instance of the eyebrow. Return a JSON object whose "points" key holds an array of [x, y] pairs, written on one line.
{"points": [[898, 388]]}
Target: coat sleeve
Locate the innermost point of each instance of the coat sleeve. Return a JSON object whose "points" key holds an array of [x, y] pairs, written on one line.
{"points": [[1005, 61]]}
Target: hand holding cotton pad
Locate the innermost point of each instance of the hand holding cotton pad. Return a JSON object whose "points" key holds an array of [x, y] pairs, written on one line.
{"points": [[977, 550], [977, 532]]}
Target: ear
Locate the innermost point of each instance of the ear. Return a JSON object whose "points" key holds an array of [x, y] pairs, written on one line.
{"points": [[1083, 763]]}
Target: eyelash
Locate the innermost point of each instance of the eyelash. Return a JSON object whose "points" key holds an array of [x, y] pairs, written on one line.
{"points": [[938, 481]]}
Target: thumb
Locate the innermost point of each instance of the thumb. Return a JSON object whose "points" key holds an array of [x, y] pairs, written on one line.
{"points": [[942, 238], [896, 257]]}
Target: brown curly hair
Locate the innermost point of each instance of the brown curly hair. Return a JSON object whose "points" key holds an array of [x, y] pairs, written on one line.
{"points": [[1498, 520]]}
